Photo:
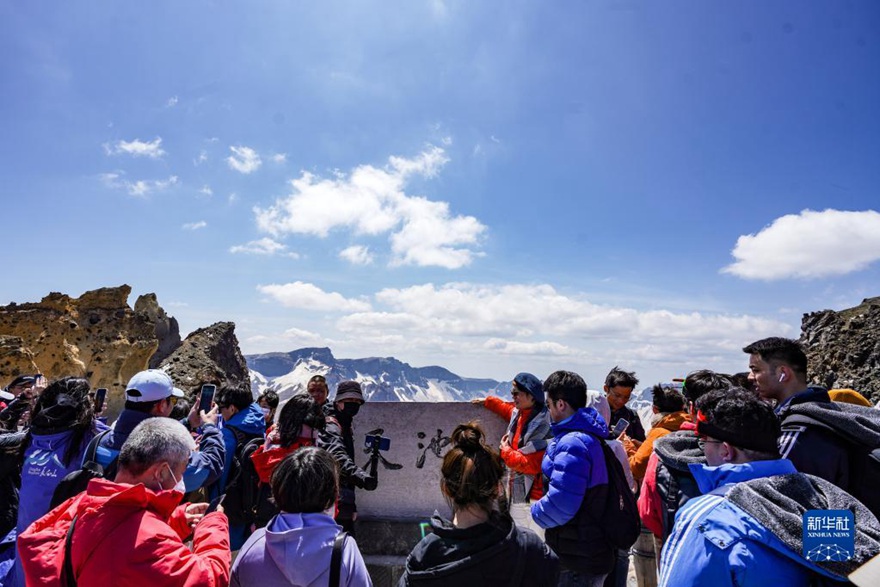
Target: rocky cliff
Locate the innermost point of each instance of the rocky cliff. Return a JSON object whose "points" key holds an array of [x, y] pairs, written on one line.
{"points": [[843, 348], [96, 335], [208, 355]]}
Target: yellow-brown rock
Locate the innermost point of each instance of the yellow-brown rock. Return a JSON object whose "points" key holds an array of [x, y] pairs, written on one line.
{"points": [[97, 336]]}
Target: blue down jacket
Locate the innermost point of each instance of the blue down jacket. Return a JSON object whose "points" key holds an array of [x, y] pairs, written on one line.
{"points": [[716, 542], [576, 488]]}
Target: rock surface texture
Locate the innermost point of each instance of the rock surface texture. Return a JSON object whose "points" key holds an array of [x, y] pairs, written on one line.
{"points": [[844, 347], [96, 335], [208, 355]]}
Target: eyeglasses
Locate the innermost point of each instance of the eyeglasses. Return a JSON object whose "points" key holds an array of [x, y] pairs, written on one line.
{"points": [[702, 442], [620, 396]]}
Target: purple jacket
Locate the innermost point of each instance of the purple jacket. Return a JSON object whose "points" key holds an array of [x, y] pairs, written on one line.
{"points": [[295, 549]]}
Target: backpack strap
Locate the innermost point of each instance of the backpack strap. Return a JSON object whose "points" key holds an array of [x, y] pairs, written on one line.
{"points": [[68, 578], [336, 559], [91, 453]]}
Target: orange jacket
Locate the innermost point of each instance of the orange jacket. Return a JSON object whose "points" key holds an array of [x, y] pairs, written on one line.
{"points": [[529, 464], [126, 535], [638, 458]]}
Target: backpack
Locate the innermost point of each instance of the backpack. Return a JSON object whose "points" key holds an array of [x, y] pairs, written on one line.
{"points": [[619, 521], [863, 440], [76, 482], [243, 486]]}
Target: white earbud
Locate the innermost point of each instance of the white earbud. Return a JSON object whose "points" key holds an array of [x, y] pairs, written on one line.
{"points": [[781, 377]]}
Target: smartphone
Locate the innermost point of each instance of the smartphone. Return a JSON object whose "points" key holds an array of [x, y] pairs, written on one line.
{"points": [[374, 440], [100, 396], [619, 428], [212, 507], [207, 397]]}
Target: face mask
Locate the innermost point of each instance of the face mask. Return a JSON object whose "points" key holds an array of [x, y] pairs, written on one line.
{"points": [[266, 411], [330, 511], [351, 409], [178, 485]]}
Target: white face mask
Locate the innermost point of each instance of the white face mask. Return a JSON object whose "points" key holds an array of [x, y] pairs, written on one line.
{"points": [[178, 485], [266, 411]]}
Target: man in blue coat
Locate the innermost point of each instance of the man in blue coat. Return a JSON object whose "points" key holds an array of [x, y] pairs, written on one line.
{"points": [[747, 527], [575, 484]]}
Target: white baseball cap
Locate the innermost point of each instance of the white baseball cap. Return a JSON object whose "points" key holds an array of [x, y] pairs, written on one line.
{"points": [[150, 386]]}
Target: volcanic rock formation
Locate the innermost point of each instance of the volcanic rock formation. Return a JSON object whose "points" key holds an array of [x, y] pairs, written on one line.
{"points": [[843, 348], [96, 335], [208, 355]]}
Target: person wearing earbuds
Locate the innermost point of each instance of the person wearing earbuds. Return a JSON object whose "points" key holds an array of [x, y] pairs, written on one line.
{"points": [[778, 368], [746, 529], [337, 438], [131, 531]]}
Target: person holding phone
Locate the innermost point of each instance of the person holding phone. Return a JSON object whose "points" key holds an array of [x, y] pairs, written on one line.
{"points": [[132, 530]]}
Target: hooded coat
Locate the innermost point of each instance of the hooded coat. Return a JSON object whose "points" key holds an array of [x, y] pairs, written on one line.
{"points": [[747, 528], [576, 489], [126, 535], [495, 552], [295, 549], [638, 460]]}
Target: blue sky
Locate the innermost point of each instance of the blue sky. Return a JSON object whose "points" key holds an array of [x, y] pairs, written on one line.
{"points": [[492, 188]]}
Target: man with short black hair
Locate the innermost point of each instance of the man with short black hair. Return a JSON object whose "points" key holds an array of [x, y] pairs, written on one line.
{"points": [[19, 394], [619, 386], [576, 484], [317, 388], [747, 527], [778, 368], [151, 394]]}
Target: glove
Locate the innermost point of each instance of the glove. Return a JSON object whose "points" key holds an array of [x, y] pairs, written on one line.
{"points": [[370, 483]]}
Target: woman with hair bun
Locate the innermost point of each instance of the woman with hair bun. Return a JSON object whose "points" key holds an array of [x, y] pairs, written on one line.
{"points": [[480, 545]]}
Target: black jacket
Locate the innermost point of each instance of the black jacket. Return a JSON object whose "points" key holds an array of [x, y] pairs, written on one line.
{"points": [[675, 482], [337, 439], [496, 552], [635, 429], [10, 479]]}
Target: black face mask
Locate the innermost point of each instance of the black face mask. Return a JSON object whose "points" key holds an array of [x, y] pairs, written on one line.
{"points": [[350, 409]]}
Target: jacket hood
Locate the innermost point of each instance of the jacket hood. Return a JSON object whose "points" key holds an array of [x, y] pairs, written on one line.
{"points": [[779, 502], [677, 450], [856, 422], [249, 420], [709, 478], [673, 421], [449, 550], [265, 461], [300, 545], [584, 420]]}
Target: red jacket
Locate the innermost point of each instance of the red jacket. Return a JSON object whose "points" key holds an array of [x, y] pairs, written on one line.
{"points": [[530, 464], [651, 507], [126, 535], [265, 461]]}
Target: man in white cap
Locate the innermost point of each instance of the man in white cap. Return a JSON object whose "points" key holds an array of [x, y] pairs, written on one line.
{"points": [[151, 394]]}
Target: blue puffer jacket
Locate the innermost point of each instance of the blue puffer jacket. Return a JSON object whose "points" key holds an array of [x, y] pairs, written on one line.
{"points": [[205, 465], [715, 542], [576, 489], [250, 422]]}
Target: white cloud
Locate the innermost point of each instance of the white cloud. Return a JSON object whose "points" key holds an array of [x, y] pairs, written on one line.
{"points": [[140, 188], [372, 201], [809, 245], [172, 102], [206, 191], [309, 296], [513, 347], [203, 156], [263, 246], [194, 225], [244, 159], [279, 158], [233, 198], [357, 255], [136, 148]]}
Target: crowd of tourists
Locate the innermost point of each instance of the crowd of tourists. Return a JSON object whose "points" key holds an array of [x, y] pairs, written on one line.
{"points": [[711, 487]]}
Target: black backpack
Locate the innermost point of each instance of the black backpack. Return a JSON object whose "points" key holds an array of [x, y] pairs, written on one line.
{"points": [[619, 521], [76, 482], [243, 487]]}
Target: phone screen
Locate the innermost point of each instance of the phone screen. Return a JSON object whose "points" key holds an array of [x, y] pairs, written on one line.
{"points": [[207, 397], [100, 396], [620, 427]]}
